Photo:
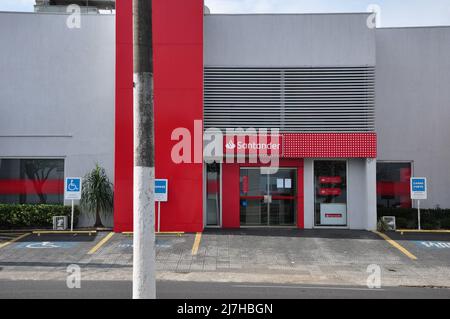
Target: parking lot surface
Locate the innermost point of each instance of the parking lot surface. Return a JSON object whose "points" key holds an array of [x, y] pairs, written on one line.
{"points": [[289, 256]]}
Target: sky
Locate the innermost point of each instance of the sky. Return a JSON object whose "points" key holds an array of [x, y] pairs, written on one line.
{"points": [[394, 13]]}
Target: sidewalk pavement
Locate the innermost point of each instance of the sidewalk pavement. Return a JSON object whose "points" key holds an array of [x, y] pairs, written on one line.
{"points": [[253, 255]]}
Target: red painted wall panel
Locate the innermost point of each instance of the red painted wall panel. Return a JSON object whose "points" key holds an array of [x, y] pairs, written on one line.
{"points": [[329, 145], [178, 80], [123, 154], [178, 97]]}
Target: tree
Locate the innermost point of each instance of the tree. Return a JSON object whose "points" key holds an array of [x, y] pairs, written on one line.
{"points": [[97, 193], [39, 171]]}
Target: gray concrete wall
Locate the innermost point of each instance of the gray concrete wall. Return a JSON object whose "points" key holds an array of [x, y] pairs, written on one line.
{"points": [[288, 40], [413, 104], [57, 90]]}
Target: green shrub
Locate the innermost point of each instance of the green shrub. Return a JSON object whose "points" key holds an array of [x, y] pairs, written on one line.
{"points": [[406, 218], [33, 216]]}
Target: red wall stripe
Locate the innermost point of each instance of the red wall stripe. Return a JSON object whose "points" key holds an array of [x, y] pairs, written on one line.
{"points": [[23, 186]]}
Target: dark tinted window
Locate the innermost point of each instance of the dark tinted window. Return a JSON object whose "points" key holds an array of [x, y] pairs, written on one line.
{"points": [[32, 181], [393, 185]]}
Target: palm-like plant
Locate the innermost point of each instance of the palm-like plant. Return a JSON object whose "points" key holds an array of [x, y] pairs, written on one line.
{"points": [[97, 193]]}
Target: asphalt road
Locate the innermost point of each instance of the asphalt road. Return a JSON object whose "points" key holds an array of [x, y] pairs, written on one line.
{"points": [[196, 290]]}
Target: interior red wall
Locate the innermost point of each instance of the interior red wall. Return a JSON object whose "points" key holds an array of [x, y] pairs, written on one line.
{"points": [[178, 101], [230, 196], [231, 192]]}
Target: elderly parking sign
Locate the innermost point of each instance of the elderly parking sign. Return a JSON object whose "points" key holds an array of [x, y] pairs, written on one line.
{"points": [[161, 190], [418, 188], [72, 188], [418, 191], [161, 195]]}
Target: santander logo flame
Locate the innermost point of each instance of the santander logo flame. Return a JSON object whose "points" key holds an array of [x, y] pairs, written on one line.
{"points": [[230, 145]]}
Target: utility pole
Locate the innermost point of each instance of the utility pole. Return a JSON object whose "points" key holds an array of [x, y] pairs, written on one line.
{"points": [[144, 169]]}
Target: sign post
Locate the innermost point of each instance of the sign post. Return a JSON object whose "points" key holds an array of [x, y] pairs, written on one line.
{"points": [[72, 191], [418, 187], [161, 195]]}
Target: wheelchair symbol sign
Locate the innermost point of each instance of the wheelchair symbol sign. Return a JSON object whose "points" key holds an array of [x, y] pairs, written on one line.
{"points": [[72, 188]]}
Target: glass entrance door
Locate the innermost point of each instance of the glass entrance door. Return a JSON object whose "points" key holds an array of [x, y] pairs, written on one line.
{"points": [[268, 199]]}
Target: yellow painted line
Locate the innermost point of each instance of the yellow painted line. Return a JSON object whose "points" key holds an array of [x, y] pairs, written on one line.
{"points": [[198, 238], [178, 233], [64, 232], [437, 231], [100, 243], [14, 240], [396, 245]]}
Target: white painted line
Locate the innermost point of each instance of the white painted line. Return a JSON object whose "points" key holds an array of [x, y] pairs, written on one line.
{"points": [[309, 287]]}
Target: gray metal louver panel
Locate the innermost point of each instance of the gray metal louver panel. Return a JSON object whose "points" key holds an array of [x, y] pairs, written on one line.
{"points": [[293, 100]]}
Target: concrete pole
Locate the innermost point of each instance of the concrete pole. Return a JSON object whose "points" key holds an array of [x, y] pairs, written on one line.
{"points": [[144, 171]]}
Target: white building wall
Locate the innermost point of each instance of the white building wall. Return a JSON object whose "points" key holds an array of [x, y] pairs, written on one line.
{"points": [[413, 104], [57, 90]]}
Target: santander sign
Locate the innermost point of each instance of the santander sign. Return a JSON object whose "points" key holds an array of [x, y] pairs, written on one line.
{"points": [[252, 145]]}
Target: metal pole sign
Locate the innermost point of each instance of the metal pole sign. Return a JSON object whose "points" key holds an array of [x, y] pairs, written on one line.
{"points": [[161, 195], [72, 191], [418, 187]]}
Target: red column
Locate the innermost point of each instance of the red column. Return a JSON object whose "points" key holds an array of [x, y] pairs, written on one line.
{"points": [[123, 154], [178, 97]]}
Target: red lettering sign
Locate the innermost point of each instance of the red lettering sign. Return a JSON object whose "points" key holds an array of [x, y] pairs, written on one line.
{"points": [[330, 191], [330, 179], [333, 215]]}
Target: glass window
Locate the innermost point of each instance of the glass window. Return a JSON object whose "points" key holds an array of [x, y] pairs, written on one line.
{"points": [[31, 181], [393, 185], [330, 189]]}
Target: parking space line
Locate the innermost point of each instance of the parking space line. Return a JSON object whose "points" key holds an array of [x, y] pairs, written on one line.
{"points": [[396, 245], [198, 238], [100, 243], [438, 231], [309, 287], [14, 240]]}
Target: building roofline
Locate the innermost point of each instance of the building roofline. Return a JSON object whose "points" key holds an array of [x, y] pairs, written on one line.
{"points": [[287, 14], [56, 13], [415, 27]]}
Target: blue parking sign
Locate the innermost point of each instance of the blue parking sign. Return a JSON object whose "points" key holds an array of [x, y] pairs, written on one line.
{"points": [[418, 188], [72, 188], [161, 190]]}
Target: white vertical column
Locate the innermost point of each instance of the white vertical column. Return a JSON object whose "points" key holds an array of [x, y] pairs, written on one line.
{"points": [[371, 193], [308, 189]]}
